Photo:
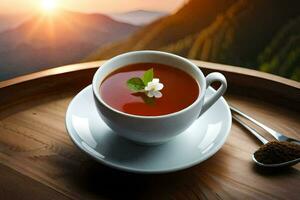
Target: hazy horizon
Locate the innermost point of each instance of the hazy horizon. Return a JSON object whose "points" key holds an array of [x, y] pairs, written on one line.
{"points": [[23, 7]]}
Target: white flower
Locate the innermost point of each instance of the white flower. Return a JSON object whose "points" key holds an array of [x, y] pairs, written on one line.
{"points": [[153, 88]]}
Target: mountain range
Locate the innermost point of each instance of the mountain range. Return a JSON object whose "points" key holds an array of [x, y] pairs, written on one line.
{"points": [[138, 17], [257, 34], [45, 41], [8, 21]]}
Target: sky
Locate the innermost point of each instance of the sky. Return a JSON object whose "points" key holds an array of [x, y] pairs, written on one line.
{"points": [[91, 6]]}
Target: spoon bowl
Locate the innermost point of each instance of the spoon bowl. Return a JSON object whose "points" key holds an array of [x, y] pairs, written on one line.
{"points": [[283, 164]]}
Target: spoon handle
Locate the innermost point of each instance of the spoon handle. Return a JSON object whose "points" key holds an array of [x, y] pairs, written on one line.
{"points": [[275, 134], [268, 129], [253, 131]]}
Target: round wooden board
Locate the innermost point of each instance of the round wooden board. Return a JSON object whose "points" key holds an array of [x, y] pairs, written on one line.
{"points": [[39, 161]]}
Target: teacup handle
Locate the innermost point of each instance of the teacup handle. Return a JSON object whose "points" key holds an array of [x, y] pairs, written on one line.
{"points": [[210, 78]]}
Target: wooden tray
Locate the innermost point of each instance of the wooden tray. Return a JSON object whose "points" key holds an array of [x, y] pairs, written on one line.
{"points": [[39, 161]]}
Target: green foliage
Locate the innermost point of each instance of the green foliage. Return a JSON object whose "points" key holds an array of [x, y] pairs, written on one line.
{"points": [[282, 55], [219, 43], [148, 76], [296, 74], [136, 84]]}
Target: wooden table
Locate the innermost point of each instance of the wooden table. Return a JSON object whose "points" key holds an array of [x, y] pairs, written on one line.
{"points": [[39, 161]]}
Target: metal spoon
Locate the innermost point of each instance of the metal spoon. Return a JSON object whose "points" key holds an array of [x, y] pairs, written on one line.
{"points": [[264, 141], [279, 136]]}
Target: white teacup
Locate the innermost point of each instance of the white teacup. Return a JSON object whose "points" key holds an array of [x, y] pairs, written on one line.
{"points": [[155, 129]]}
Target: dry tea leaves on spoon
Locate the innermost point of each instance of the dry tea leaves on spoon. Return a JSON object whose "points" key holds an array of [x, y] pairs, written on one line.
{"points": [[277, 152]]}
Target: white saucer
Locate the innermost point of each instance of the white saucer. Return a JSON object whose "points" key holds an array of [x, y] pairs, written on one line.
{"points": [[193, 146]]}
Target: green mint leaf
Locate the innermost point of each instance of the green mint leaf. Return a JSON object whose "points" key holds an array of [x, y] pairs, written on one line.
{"points": [[135, 84], [148, 76]]}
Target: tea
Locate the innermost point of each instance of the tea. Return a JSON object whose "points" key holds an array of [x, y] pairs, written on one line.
{"points": [[180, 90]]}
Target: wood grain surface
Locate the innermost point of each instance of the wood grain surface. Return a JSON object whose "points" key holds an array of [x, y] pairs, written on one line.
{"points": [[39, 161]]}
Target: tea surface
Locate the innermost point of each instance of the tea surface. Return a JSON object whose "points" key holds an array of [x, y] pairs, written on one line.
{"points": [[180, 90]]}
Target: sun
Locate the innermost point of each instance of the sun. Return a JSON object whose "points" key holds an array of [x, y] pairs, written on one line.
{"points": [[48, 5]]}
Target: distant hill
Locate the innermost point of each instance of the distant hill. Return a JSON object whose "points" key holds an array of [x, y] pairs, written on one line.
{"points": [[138, 17], [8, 21], [190, 19], [258, 34], [48, 41]]}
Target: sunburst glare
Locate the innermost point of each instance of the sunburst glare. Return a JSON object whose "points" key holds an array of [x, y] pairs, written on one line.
{"points": [[49, 5]]}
